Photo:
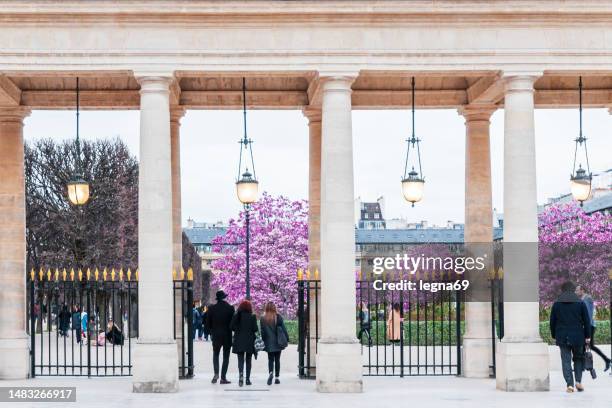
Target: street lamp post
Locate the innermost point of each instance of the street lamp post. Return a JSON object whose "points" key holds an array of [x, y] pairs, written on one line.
{"points": [[413, 182], [77, 187], [247, 189], [580, 180]]}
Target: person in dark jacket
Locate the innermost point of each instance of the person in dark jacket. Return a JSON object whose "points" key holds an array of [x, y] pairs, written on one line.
{"points": [[244, 326], [76, 322], [113, 334], [571, 328], [218, 319], [271, 324], [198, 322], [588, 301], [63, 318], [204, 310]]}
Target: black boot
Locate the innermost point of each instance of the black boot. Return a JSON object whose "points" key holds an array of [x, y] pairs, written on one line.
{"points": [[215, 379], [270, 378], [248, 381], [241, 380], [277, 381]]}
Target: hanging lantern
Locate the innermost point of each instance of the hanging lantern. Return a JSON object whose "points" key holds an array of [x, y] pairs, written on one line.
{"points": [[77, 187], [247, 186], [413, 182], [580, 180]]}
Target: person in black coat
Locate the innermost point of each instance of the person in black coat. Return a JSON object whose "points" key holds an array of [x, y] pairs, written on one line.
{"points": [[76, 322], [571, 328], [218, 319], [244, 326], [275, 337], [64, 317]]}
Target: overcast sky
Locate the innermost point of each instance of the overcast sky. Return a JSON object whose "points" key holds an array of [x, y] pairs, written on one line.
{"points": [[209, 154]]}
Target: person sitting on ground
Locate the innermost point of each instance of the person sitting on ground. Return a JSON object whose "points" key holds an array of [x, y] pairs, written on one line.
{"points": [[114, 334]]}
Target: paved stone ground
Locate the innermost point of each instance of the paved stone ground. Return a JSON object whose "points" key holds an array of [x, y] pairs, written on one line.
{"points": [[379, 391]]}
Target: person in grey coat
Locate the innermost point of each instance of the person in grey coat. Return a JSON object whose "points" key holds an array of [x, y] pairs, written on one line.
{"points": [[275, 337], [588, 301], [571, 328]]}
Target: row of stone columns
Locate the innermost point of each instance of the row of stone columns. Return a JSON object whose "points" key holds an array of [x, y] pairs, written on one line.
{"points": [[522, 356]]}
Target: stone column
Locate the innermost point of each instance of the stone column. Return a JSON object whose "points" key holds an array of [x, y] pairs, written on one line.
{"points": [[338, 354], [522, 357], [175, 150], [155, 357], [314, 188], [314, 223], [14, 342], [477, 350]]}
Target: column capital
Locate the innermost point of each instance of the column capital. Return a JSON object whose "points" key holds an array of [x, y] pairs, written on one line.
{"points": [[477, 113], [520, 81], [14, 113], [177, 113], [337, 81], [312, 114], [155, 83]]}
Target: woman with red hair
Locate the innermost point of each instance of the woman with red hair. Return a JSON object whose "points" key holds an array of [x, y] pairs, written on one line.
{"points": [[244, 326]]}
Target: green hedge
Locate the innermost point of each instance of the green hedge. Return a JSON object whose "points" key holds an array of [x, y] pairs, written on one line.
{"points": [[441, 330]]}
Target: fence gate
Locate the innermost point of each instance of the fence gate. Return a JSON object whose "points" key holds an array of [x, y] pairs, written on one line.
{"points": [[70, 317], [183, 323], [402, 332], [85, 323]]}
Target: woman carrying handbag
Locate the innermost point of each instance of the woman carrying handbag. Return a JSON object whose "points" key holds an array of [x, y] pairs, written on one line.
{"points": [[244, 326], [275, 337]]}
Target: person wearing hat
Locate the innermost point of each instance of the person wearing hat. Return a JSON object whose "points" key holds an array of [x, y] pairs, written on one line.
{"points": [[218, 319]]}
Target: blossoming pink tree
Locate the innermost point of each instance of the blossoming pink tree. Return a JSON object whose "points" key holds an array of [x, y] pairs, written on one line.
{"points": [[278, 248], [574, 246]]}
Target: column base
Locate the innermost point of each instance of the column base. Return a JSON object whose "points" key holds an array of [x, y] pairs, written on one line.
{"points": [[15, 357], [155, 368], [522, 366], [476, 357], [339, 367]]}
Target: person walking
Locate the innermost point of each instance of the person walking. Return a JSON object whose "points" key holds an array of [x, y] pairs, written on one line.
{"points": [[218, 320], [588, 301], [571, 328], [198, 322], [244, 326], [275, 337], [63, 319], [76, 322], [204, 326], [394, 324], [364, 324]]}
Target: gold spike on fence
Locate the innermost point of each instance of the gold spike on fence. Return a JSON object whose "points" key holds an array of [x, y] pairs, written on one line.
{"points": [[190, 274], [300, 274], [136, 274], [32, 274], [316, 275]]}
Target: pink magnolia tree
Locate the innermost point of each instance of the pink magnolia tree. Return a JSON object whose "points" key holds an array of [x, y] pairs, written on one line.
{"points": [[574, 246], [278, 248]]}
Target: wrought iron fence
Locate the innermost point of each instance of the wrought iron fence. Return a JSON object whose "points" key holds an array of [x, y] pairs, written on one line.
{"points": [[401, 332], [84, 323], [183, 321], [496, 283]]}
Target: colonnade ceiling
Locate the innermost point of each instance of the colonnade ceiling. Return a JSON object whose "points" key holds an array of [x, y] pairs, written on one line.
{"points": [[110, 90]]}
